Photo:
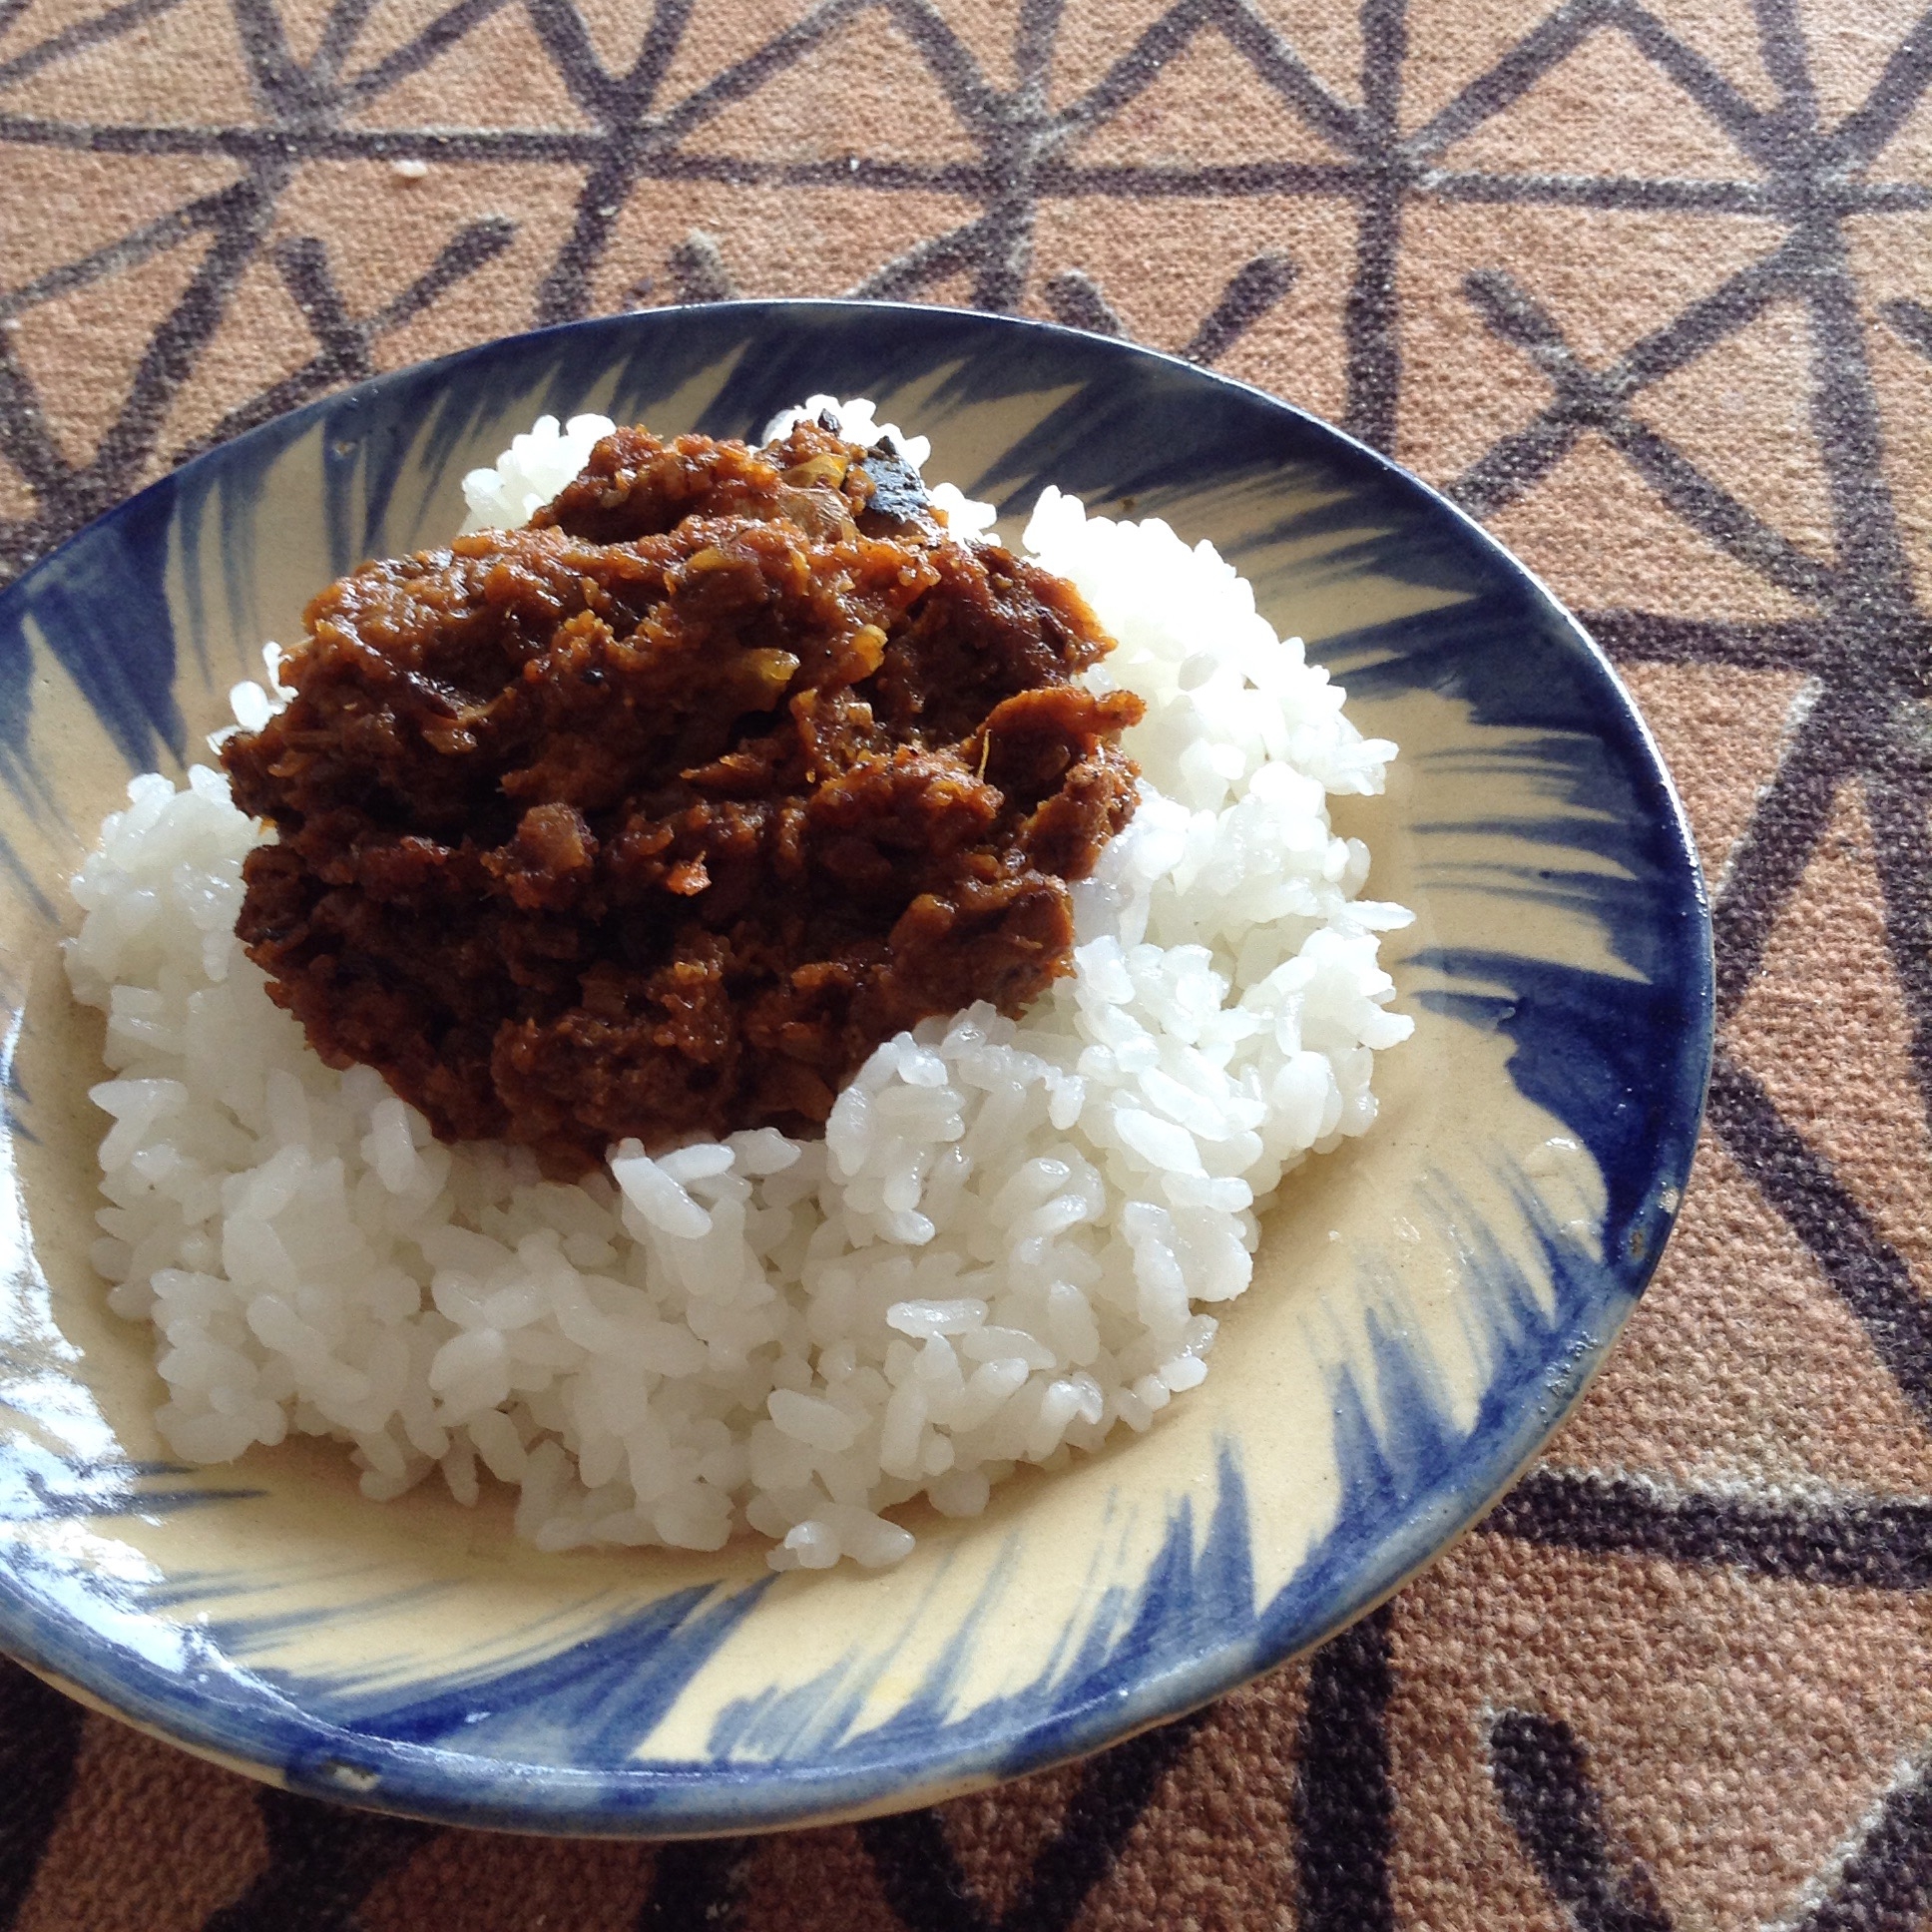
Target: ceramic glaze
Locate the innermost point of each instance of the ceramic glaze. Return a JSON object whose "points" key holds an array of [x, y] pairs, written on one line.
{"points": [[1427, 1302]]}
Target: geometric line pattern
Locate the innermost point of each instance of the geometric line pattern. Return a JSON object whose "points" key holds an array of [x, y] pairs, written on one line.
{"points": [[1822, 160]]}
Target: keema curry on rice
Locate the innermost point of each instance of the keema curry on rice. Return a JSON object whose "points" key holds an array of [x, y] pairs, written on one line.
{"points": [[656, 817], [680, 1005]]}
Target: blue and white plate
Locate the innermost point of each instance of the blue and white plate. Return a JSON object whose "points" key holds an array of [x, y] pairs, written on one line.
{"points": [[1427, 1302]]}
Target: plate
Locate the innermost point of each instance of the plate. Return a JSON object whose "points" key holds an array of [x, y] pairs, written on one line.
{"points": [[1427, 1302]]}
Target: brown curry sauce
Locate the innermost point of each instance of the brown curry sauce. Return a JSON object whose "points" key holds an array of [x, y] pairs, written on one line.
{"points": [[656, 817]]}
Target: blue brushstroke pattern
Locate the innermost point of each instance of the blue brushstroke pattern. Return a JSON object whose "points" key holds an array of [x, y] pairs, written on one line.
{"points": [[101, 607]]}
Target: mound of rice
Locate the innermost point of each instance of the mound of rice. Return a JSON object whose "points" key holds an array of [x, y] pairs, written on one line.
{"points": [[1000, 1251]]}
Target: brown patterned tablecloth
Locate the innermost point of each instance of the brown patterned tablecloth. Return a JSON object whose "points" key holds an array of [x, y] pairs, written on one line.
{"points": [[1646, 287]]}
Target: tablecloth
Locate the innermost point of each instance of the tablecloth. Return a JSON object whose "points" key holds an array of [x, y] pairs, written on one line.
{"points": [[1648, 288]]}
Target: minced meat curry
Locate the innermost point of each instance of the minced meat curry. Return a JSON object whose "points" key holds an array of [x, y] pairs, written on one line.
{"points": [[656, 817]]}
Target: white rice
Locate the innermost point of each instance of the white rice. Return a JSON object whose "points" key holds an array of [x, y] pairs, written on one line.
{"points": [[1001, 1251]]}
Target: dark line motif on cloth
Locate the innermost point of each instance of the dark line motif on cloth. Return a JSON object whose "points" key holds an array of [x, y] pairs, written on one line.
{"points": [[694, 1886], [1541, 1769], [40, 1736], [923, 1882], [1545, 1793], [323, 1862], [1344, 1809], [1862, 641]]}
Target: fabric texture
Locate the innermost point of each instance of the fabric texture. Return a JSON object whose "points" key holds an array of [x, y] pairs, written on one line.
{"points": [[1645, 286]]}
